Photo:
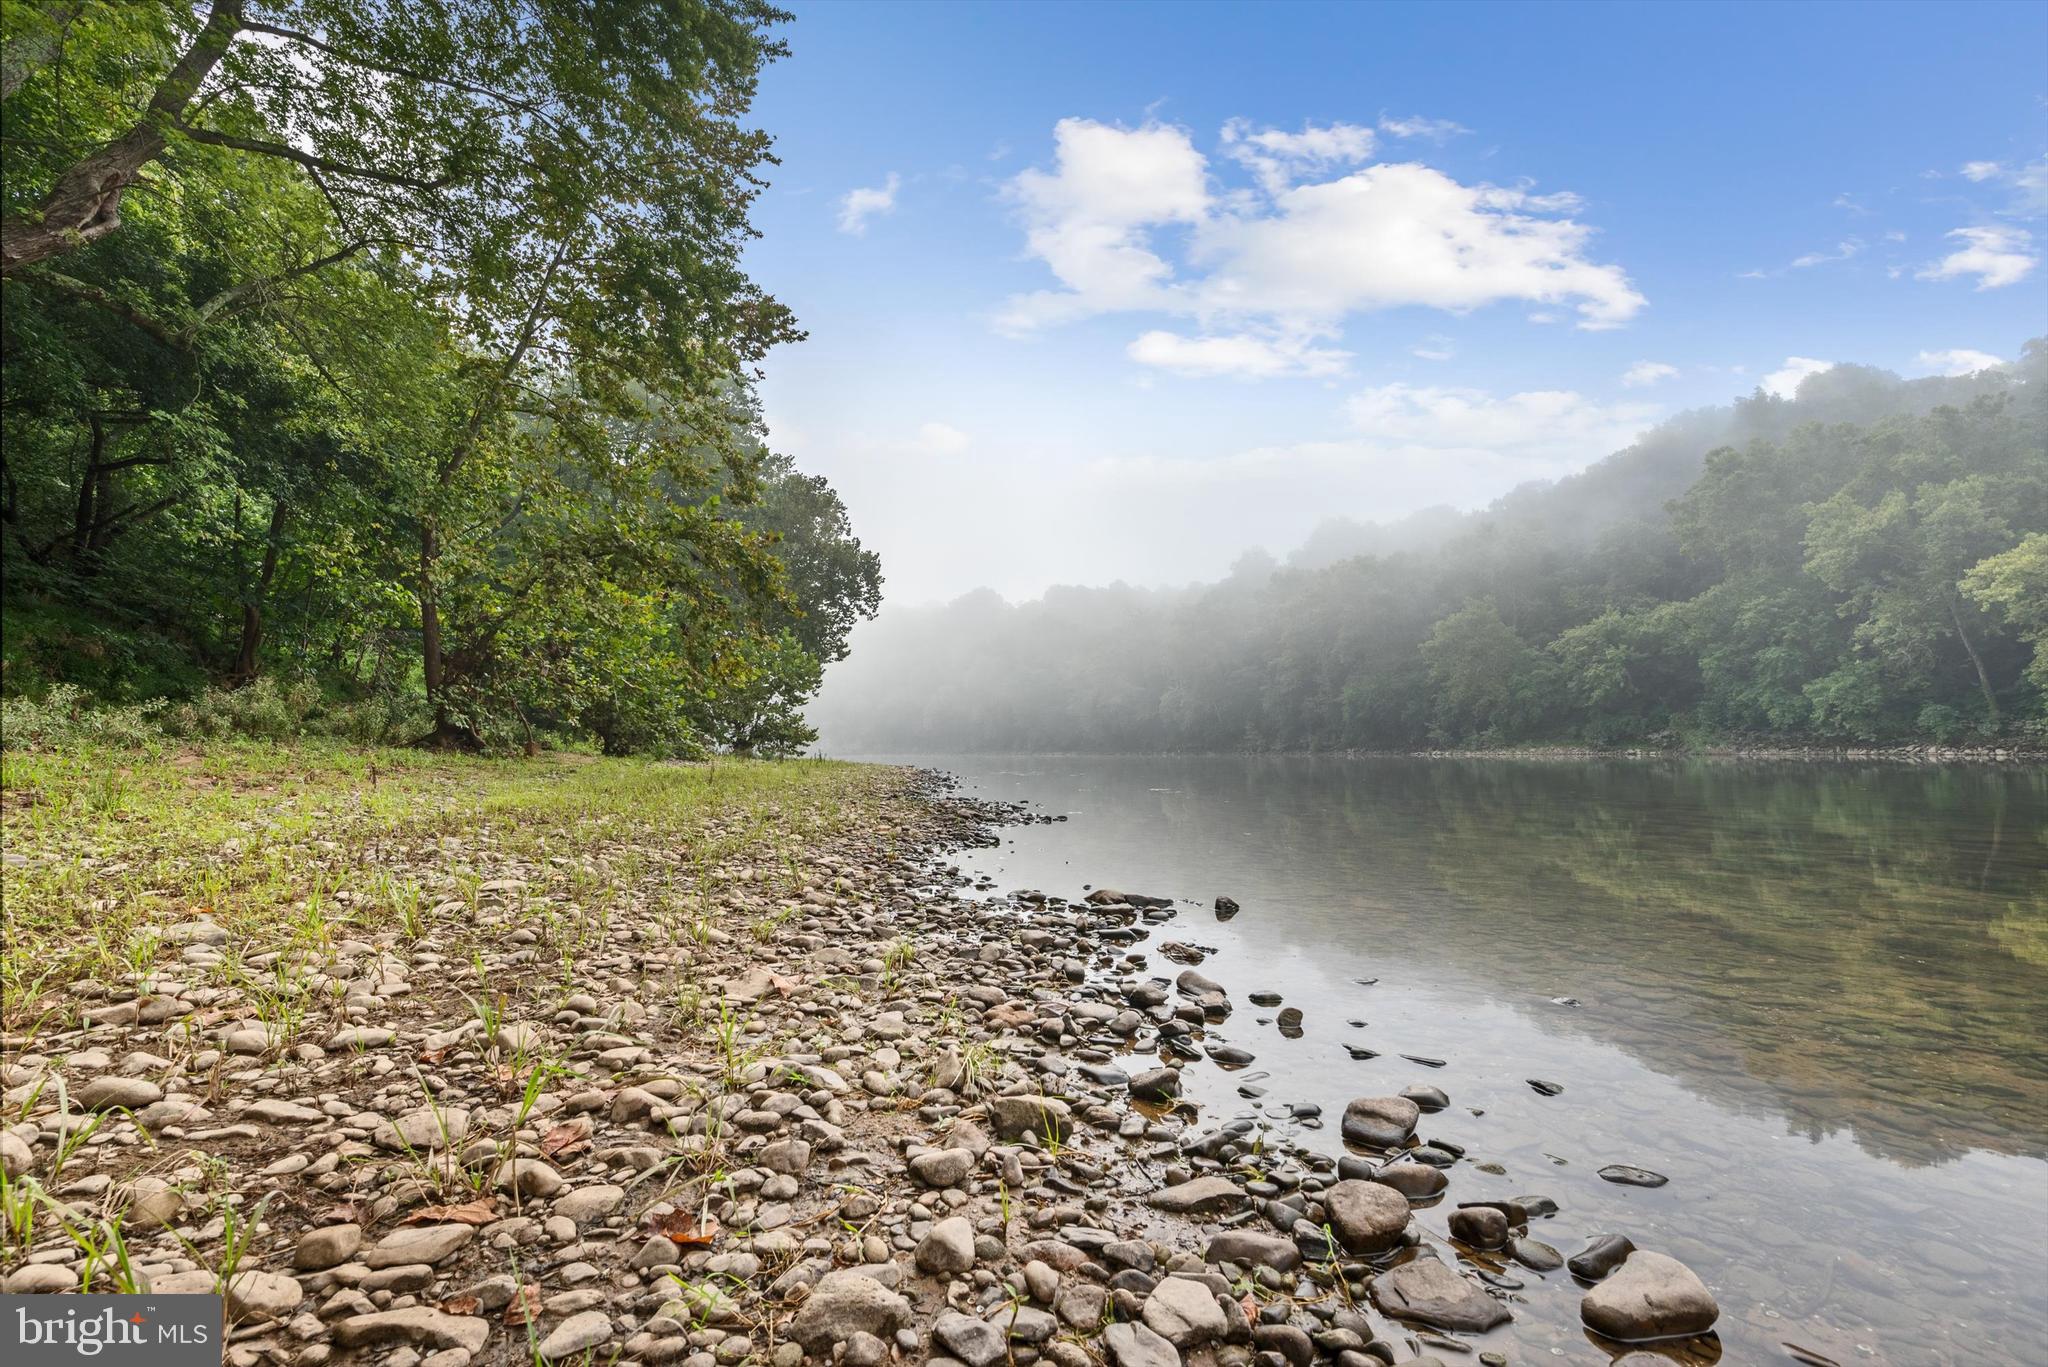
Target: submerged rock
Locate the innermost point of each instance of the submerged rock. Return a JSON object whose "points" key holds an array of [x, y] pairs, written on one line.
{"points": [[1651, 1296]]}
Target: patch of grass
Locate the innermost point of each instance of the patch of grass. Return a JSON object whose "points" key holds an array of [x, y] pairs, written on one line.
{"points": [[285, 845]]}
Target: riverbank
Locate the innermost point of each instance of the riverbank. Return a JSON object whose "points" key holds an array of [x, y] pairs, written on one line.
{"points": [[432, 1060]]}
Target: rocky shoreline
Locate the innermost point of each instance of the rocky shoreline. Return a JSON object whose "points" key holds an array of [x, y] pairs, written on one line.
{"points": [[853, 1113]]}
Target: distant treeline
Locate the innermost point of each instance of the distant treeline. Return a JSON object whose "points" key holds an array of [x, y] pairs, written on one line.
{"points": [[387, 368], [1866, 561]]}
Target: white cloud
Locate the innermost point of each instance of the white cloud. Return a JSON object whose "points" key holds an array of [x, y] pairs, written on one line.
{"points": [[857, 206], [1412, 445], [1278, 158], [1842, 251], [1957, 361], [1534, 423], [1416, 126], [1089, 219], [1435, 347], [1785, 381], [1647, 372], [1290, 258], [938, 439], [1242, 356], [1996, 256], [1980, 170]]}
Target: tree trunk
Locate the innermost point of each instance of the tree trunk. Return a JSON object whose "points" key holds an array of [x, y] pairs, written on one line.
{"points": [[246, 663], [1983, 679], [432, 662], [85, 203]]}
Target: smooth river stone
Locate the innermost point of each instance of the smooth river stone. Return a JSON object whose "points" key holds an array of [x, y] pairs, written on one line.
{"points": [[1427, 1292], [1651, 1296], [1367, 1217], [1380, 1122]]}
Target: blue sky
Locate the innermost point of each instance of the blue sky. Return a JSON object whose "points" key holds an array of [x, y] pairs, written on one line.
{"points": [[1102, 292]]}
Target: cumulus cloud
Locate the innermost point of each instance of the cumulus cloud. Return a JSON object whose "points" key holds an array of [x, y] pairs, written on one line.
{"points": [[1980, 170], [1997, 256], [1957, 361], [1132, 220], [857, 206], [1786, 379], [1646, 373], [1277, 158], [1242, 356]]}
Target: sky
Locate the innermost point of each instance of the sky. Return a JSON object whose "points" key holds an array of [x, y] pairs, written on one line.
{"points": [[1115, 292]]}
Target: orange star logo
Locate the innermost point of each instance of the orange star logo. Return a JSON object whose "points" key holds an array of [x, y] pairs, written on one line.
{"points": [[136, 1318]]}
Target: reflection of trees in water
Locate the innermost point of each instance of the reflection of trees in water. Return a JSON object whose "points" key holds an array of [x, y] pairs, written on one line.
{"points": [[1854, 947]]}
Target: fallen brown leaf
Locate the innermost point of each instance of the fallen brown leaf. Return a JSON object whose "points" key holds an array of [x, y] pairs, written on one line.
{"points": [[435, 1055], [563, 1140], [481, 1211], [525, 1306], [462, 1305], [682, 1228]]}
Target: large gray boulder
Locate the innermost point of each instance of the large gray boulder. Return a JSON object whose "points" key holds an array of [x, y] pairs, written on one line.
{"points": [[1650, 1296]]}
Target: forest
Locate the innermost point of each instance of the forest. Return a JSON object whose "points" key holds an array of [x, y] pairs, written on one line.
{"points": [[389, 370], [1866, 561]]}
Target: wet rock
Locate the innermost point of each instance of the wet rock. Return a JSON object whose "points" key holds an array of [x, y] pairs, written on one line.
{"points": [[1226, 907], [1650, 1296], [1480, 1226], [1536, 1255], [1367, 1217], [1427, 1292], [1416, 1181], [1264, 998], [1380, 1122], [1427, 1099], [1184, 1312], [844, 1303], [1543, 1088], [1601, 1255], [1155, 1084], [1628, 1175]]}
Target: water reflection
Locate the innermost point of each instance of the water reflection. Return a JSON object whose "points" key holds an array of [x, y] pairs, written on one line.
{"points": [[1809, 993]]}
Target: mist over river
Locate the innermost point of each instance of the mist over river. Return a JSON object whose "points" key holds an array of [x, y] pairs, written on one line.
{"points": [[1810, 995]]}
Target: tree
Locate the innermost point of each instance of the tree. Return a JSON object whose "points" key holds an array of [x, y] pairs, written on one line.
{"points": [[2014, 585]]}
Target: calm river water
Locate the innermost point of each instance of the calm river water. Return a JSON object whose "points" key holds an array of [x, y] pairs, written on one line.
{"points": [[1815, 996]]}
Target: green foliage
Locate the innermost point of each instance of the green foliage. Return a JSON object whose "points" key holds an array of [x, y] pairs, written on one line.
{"points": [[421, 379], [1865, 563]]}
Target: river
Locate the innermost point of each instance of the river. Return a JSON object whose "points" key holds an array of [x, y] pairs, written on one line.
{"points": [[1813, 996]]}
